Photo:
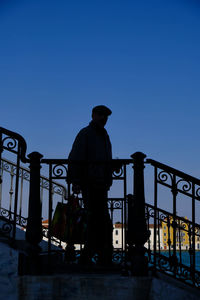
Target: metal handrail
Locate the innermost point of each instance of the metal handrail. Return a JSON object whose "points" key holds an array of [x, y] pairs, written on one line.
{"points": [[173, 171], [42, 177]]}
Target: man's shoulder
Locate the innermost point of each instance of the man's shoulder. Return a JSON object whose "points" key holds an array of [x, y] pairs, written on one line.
{"points": [[84, 130]]}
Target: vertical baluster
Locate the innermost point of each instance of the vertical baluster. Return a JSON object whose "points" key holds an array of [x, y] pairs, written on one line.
{"points": [[1, 163], [111, 210], [173, 258], [179, 240], [62, 200], [11, 190], [41, 190], [190, 245], [193, 231], [21, 195], [123, 211], [174, 225], [44, 230], [1, 182], [159, 224], [16, 193], [169, 235], [155, 212], [50, 208], [148, 228]]}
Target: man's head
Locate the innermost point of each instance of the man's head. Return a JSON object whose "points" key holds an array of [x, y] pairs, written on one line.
{"points": [[100, 115]]}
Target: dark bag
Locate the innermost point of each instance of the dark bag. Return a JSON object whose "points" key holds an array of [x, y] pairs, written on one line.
{"points": [[69, 222]]}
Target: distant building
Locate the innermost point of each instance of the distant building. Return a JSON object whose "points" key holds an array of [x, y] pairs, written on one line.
{"points": [[159, 238], [118, 235], [183, 235], [164, 236]]}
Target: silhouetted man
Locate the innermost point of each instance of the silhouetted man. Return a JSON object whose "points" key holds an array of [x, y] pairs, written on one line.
{"points": [[90, 171]]}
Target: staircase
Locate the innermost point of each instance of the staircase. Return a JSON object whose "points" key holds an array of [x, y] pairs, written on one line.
{"points": [[154, 239]]}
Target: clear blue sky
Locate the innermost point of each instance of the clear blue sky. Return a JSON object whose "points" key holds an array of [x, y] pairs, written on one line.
{"points": [[141, 58]]}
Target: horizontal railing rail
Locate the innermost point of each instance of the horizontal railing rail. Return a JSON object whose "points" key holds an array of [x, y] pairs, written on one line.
{"points": [[172, 170]]}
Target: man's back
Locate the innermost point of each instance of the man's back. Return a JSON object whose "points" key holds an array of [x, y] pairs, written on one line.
{"points": [[90, 157]]}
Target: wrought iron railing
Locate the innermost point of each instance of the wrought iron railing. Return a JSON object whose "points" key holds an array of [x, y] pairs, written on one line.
{"points": [[15, 145], [57, 169], [14, 184], [168, 235], [7, 196], [174, 243]]}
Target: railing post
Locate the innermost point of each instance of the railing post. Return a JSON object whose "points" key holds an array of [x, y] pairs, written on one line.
{"points": [[137, 228], [1, 150], [34, 225]]}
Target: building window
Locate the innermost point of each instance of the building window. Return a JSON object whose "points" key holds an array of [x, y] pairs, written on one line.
{"points": [[165, 234], [117, 242], [116, 232]]}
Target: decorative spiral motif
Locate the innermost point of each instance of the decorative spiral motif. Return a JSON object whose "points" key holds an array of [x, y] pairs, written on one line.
{"points": [[59, 170], [152, 212], [117, 204], [185, 273], [183, 225], [5, 166], [118, 173], [9, 143], [58, 190], [197, 193], [26, 175], [185, 185], [117, 257], [6, 228], [4, 213], [197, 230], [163, 263], [163, 176], [163, 217], [23, 222], [44, 183]]}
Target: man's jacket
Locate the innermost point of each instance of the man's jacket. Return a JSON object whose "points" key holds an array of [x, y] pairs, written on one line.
{"points": [[90, 158]]}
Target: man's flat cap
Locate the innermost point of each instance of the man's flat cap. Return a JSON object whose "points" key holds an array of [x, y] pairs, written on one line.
{"points": [[102, 109]]}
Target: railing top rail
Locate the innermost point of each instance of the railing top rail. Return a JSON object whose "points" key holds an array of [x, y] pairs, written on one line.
{"points": [[173, 171], [171, 215], [66, 161]]}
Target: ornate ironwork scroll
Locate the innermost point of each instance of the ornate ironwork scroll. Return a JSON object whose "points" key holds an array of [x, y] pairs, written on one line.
{"points": [[13, 142]]}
